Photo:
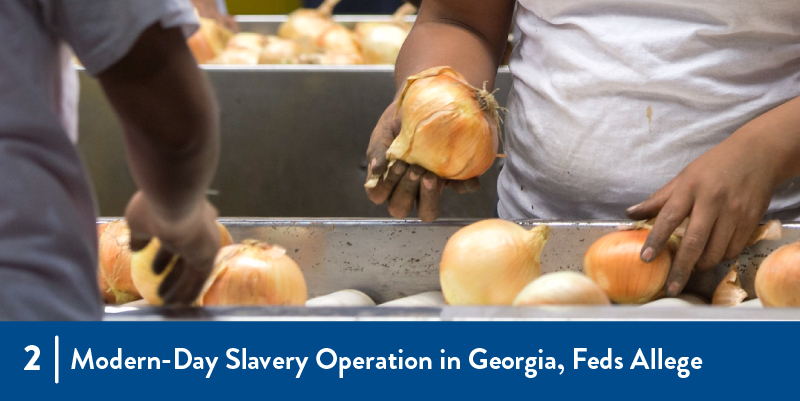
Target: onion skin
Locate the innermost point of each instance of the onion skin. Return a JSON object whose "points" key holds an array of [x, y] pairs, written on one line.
{"points": [[338, 39], [562, 288], [729, 292], [105, 291], [256, 273], [614, 263], [778, 278], [209, 41], [146, 281], [305, 26], [382, 43], [114, 255], [490, 262], [279, 51], [448, 126]]}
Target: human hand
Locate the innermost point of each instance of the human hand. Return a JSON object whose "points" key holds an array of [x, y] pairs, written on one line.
{"points": [[195, 238], [725, 193], [405, 184]]}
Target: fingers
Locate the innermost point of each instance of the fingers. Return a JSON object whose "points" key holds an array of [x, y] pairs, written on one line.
{"points": [[692, 246], [405, 194], [383, 135], [160, 263], [182, 286], [466, 186], [717, 245], [381, 192], [429, 197], [671, 216], [650, 208]]}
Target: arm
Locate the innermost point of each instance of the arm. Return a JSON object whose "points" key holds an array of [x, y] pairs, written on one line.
{"points": [[468, 35], [725, 193], [171, 125]]}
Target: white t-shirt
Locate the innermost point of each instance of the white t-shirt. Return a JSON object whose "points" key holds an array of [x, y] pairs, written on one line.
{"points": [[613, 98], [48, 239]]}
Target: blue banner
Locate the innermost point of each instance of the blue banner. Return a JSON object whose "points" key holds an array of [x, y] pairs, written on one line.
{"points": [[399, 360]]}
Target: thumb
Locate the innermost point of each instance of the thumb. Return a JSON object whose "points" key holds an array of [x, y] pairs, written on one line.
{"points": [[387, 129]]}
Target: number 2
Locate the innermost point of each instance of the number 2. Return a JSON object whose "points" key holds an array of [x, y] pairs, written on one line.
{"points": [[32, 363]]}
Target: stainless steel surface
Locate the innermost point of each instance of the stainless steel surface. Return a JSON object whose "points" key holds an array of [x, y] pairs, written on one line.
{"points": [[391, 259], [293, 143]]}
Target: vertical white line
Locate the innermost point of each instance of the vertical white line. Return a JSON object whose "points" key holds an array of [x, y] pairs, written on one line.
{"points": [[56, 359]]}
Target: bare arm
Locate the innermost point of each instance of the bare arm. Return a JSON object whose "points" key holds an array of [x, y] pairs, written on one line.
{"points": [[468, 35], [170, 118]]}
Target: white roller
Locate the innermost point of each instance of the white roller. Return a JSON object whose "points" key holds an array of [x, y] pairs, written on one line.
{"points": [[342, 298], [432, 298], [679, 301], [753, 303]]}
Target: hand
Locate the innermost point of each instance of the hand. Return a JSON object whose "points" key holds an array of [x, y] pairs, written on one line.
{"points": [[725, 193], [195, 238], [405, 185]]}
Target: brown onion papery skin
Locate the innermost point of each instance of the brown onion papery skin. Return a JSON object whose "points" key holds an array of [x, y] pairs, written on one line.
{"points": [[490, 262], [444, 128], [562, 288], [615, 264], [778, 277], [260, 274], [305, 27], [105, 291], [114, 254]]}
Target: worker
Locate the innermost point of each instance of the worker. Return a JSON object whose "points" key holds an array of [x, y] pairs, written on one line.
{"points": [[48, 237], [645, 109]]}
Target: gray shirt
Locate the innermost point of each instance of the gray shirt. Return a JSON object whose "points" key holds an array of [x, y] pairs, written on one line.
{"points": [[48, 239]]}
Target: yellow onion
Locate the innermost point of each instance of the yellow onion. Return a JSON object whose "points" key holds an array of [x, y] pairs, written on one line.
{"points": [[209, 41], [246, 41], [339, 40], [381, 42], [490, 262], [114, 268], [305, 26], [448, 126], [256, 273], [729, 292], [146, 281], [105, 291], [772, 230], [343, 298], [426, 299], [562, 288], [615, 264], [279, 51], [237, 57], [778, 277]]}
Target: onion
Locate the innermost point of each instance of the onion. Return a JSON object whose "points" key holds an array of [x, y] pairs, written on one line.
{"points": [[490, 262], [562, 288], [772, 230], [426, 299], [339, 40], [305, 26], [114, 254], [778, 277], [448, 127], [729, 292], [614, 263], [209, 41], [681, 300], [279, 51], [105, 291], [146, 281], [255, 273], [381, 42], [237, 57], [343, 298]]}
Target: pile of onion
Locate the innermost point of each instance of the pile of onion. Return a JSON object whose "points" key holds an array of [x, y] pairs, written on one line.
{"points": [[490, 262], [615, 264], [562, 288], [141, 267], [448, 126], [279, 51], [778, 277], [306, 26], [114, 270], [381, 41], [243, 49]]}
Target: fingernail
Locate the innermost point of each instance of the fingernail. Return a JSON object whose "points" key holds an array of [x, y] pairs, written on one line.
{"points": [[633, 208], [399, 169], [414, 176], [373, 163], [673, 289], [428, 183], [648, 254]]}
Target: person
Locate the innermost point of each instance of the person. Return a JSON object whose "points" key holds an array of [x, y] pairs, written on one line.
{"points": [[48, 237], [686, 108]]}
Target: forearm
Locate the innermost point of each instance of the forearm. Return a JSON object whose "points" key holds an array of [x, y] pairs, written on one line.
{"points": [[469, 36], [779, 129], [170, 119]]}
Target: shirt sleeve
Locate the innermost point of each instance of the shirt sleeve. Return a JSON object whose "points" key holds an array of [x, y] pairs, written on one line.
{"points": [[101, 32]]}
